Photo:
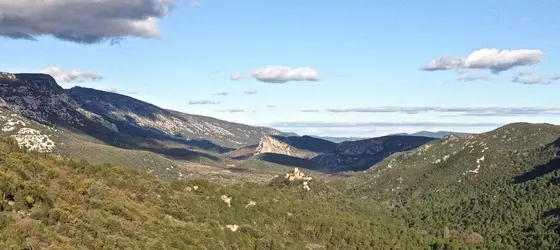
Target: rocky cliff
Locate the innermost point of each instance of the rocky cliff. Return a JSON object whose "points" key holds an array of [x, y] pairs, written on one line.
{"points": [[301, 147], [138, 118]]}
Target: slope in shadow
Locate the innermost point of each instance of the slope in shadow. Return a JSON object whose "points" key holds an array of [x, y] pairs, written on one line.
{"points": [[287, 160], [541, 170], [124, 141], [121, 103], [308, 143]]}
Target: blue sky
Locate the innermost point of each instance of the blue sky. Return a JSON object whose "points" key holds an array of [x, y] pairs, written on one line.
{"points": [[366, 55]]}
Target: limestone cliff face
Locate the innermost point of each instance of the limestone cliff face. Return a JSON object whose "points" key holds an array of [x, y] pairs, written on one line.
{"points": [[304, 147], [269, 144]]}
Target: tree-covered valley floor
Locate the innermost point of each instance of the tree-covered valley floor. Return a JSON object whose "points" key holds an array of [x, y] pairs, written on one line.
{"points": [[52, 203]]}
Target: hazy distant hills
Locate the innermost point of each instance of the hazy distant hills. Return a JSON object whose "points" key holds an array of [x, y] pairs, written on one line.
{"points": [[438, 134], [338, 139]]}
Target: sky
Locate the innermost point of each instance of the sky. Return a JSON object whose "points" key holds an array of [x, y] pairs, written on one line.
{"points": [[335, 68]]}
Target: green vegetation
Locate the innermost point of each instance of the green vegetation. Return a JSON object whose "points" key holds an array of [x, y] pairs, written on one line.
{"points": [[47, 202], [511, 202], [497, 190]]}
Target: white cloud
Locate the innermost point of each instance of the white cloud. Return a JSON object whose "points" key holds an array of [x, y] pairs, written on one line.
{"points": [[222, 93], [61, 75], [310, 111], [82, 21], [203, 102], [531, 78], [443, 63], [280, 74], [250, 92], [494, 60]]}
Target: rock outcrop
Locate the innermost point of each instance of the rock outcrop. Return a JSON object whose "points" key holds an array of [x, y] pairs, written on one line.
{"points": [[297, 146], [297, 175], [226, 199]]}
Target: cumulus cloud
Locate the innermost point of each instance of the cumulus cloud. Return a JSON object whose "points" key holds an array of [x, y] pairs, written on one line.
{"points": [[494, 60], [222, 93], [203, 102], [82, 21], [464, 111], [443, 63], [250, 92], [310, 111], [280, 74], [530, 78], [74, 76]]}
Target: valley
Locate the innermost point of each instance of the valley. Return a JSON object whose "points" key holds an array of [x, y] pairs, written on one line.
{"points": [[80, 161]]}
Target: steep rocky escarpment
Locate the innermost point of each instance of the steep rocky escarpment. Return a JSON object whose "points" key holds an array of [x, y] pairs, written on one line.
{"points": [[301, 147], [138, 118]]}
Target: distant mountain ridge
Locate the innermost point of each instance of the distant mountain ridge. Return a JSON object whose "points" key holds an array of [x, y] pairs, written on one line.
{"points": [[318, 154], [424, 133], [363, 154], [438, 134], [336, 139]]}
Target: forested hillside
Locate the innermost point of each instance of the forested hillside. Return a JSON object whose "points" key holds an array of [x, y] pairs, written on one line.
{"points": [[49, 203]]}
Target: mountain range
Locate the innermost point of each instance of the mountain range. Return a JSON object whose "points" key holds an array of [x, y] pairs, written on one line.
{"points": [[162, 179], [103, 127]]}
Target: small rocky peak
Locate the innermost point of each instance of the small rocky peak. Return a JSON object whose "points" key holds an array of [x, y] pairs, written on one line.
{"points": [[270, 144]]}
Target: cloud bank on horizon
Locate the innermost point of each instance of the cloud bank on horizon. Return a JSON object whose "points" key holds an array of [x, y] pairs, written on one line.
{"points": [[463, 111], [82, 21], [280, 74]]}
